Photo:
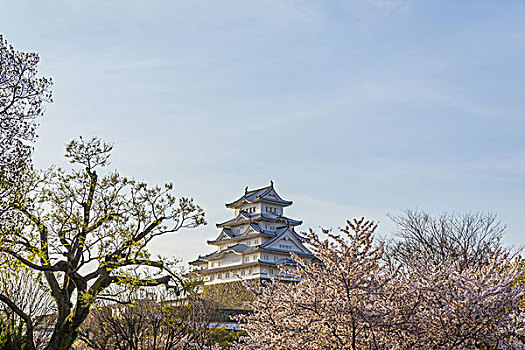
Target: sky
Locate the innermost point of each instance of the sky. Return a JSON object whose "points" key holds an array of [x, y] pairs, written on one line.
{"points": [[352, 107]]}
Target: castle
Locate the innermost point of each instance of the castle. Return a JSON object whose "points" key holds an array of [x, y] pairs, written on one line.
{"points": [[255, 242]]}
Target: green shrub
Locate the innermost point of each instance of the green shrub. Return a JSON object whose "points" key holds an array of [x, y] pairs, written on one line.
{"points": [[223, 337], [11, 336], [231, 295]]}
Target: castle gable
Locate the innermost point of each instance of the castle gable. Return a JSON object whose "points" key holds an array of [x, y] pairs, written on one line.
{"points": [[261, 194], [287, 240]]}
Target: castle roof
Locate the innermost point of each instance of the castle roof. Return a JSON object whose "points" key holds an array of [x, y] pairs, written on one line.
{"points": [[245, 217], [254, 230], [280, 232], [236, 248], [242, 248], [266, 194]]}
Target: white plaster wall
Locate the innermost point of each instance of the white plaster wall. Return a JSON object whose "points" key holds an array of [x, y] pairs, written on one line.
{"points": [[268, 225], [231, 259], [249, 258], [223, 246], [234, 274], [279, 210], [256, 206], [271, 257], [251, 241], [237, 230]]}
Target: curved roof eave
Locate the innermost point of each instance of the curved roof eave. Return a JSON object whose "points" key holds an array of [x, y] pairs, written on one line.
{"points": [[241, 201], [285, 251], [241, 237], [256, 217], [217, 255], [228, 222], [258, 195]]}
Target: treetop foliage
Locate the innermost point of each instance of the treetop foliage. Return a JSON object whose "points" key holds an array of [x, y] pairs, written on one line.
{"points": [[91, 153], [22, 94]]}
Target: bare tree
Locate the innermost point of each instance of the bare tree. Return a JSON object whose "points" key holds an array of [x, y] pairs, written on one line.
{"points": [[24, 289], [154, 321], [144, 324], [464, 240]]}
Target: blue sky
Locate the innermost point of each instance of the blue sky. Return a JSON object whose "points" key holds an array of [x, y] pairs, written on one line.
{"points": [[353, 108]]}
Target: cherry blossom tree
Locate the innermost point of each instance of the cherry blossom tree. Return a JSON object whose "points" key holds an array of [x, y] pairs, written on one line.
{"points": [[352, 299], [338, 303], [477, 308]]}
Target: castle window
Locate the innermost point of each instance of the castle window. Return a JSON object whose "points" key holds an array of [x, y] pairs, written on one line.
{"points": [[271, 209], [250, 271], [227, 275]]}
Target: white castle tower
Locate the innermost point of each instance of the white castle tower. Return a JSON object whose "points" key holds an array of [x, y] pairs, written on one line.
{"points": [[255, 241]]}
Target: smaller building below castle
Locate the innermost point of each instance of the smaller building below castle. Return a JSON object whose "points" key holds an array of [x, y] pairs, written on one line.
{"points": [[255, 242]]}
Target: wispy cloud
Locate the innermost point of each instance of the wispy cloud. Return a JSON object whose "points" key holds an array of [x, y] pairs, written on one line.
{"points": [[152, 63], [268, 122], [370, 11], [502, 166]]}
